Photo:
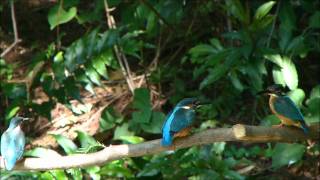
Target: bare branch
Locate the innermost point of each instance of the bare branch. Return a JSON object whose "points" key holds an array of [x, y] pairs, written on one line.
{"points": [[240, 133], [123, 62], [15, 31]]}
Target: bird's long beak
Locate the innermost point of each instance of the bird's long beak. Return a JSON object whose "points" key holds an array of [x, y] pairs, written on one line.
{"points": [[200, 103], [25, 119]]}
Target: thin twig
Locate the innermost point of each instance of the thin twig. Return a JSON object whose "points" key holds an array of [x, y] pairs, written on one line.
{"points": [[122, 60], [240, 133], [15, 31]]}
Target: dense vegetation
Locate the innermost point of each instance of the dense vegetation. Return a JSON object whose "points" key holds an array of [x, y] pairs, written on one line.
{"points": [[75, 65]]}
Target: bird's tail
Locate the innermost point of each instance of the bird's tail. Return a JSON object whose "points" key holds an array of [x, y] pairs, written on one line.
{"points": [[166, 139], [304, 127]]}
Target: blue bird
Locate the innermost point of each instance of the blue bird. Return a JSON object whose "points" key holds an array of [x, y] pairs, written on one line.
{"points": [[284, 108], [12, 143], [179, 120]]}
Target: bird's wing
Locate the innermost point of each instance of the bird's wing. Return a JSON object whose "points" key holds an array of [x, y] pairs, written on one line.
{"points": [[182, 119], [5, 140], [168, 118], [286, 107], [20, 143]]}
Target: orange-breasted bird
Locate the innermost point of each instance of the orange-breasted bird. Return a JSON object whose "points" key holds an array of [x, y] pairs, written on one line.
{"points": [[284, 108], [179, 120]]}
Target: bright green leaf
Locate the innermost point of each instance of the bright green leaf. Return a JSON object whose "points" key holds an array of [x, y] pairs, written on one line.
{"points": [[297, 96], [68, 146], [289, 73], [277, 76], [131, 139], [264, 9], [85, 139], [122, 130], [57, 15], [12, 112]]}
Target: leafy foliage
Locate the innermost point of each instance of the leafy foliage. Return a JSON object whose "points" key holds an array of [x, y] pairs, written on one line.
{"points": [[222, 52]]}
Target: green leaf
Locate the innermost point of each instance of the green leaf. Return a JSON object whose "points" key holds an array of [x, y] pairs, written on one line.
{"points": [[100, 67], [85, 139], [46, 176], [156, 123], [58, 67], [264, 9], [41, 152], [270, 120], [287, 154], [313, 103], [58, 174], [277, 76], [315, 92], [201, 50], [11, 112], [289, 73], [219, 147], [116, 169], [94, 172], [57, 15], [109, 118], [297, 96], [93, 75], [141, 102], [131, 139], [235, 8], [76, 173], [312, 112], [314, 21], [214, 75], [122, 130], [288, 70], [68, 146]]}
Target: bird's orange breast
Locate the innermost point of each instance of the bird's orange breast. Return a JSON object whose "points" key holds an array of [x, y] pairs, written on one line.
{"points": [[184, 132]]}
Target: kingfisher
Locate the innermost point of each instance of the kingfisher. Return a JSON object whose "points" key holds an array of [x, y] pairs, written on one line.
{"points": [[284, 108], [12, 143], [179, 120]]}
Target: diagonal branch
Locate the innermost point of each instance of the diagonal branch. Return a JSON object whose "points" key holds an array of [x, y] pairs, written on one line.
{"points": [[240, 133], [122, 59]]}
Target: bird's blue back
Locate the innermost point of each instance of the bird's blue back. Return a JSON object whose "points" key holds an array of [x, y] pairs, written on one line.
{"points": [[284, 106]]}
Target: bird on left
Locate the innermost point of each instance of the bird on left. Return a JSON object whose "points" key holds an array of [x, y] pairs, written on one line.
{"points": [[12, 143]]}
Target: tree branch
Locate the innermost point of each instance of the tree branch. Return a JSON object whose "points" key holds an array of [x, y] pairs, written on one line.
{"points": [[240, 133]]}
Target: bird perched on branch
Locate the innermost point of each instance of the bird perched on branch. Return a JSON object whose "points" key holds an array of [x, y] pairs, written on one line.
{"points": [[179, 120], [284, 108], [12, 143]]}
